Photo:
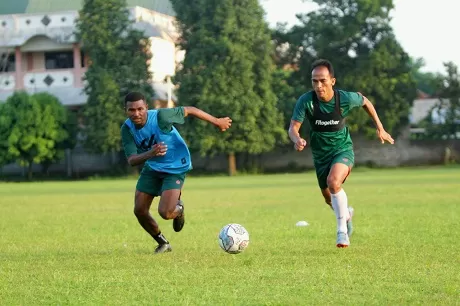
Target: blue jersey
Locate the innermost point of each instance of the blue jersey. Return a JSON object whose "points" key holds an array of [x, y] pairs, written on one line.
{"points": [[177, 158]]}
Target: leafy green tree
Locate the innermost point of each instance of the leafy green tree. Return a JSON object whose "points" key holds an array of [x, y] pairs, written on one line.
{"points": [[34, 130], [66, 136], [387, 81], [285, 94], [5, 130], [427, 82], [135, 57], [103, 112], [118, 64], [227, 71]]}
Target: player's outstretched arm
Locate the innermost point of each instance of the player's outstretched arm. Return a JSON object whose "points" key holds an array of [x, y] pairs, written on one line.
{"points": [[222, 123], [294, 135], [381, 133]]}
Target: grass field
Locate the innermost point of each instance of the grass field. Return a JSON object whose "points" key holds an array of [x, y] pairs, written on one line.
{"points": [[73, 243]]}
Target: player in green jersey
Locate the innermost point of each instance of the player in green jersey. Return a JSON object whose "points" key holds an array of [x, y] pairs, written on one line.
{"points": [[325, 109]]}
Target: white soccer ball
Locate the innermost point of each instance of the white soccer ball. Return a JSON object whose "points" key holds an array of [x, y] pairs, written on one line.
{"points": [[233, 238]]}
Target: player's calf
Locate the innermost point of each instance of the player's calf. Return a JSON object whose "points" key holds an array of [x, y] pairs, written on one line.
{"points": [[327, 197]]}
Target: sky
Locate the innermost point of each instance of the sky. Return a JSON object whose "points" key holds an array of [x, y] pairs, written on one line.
{"points": [[425, 28]]}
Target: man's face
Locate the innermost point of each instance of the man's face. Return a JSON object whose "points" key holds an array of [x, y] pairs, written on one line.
{"points": [[322, 83], [137, 112]]}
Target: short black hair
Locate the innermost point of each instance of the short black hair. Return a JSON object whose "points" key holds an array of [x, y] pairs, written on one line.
{"points": [[324, 63], [134, 96]]}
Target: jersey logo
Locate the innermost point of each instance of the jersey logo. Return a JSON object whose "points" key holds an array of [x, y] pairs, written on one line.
{"points": [[326, 123], [146, 146]]}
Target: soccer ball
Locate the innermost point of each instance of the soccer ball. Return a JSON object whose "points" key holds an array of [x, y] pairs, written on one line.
{"points": [[233, 238]]}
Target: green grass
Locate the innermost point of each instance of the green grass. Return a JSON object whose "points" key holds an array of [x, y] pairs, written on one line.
{"points": [[73, 243]]}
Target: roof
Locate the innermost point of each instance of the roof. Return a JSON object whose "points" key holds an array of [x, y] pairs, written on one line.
{"points": [[48, 6], [422, 95], [151, 30]]}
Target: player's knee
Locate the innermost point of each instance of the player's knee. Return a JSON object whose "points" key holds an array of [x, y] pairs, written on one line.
{"points": [[334, 184], [165, 213], [140, 212]]}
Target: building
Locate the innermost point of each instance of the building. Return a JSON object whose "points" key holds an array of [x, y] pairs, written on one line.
{"points": [[39, 51], [432, 109]]}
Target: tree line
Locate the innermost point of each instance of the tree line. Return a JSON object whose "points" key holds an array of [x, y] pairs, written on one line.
{"points": [[236, 66]]}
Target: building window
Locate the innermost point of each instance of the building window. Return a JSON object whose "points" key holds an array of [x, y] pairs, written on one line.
{"points": [[59, 60], [7, 63]]}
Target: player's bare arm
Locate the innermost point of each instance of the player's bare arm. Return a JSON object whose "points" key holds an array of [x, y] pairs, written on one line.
{"points": [[158, 149], [222, 123], [294, 135], [381, 133]]}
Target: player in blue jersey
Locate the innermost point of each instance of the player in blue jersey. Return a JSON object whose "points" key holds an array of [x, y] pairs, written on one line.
{"points": [[150, 137]]}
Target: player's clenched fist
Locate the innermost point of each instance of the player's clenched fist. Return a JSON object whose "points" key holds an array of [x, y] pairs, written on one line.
{"points": [[300, 144], [159, 149], [224, 123]]}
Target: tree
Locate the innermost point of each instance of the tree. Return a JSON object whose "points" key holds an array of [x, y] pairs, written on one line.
{"points": [[386, 79], [103, 112], [135, 72], [427, 82], [285, 94], [445, 118], [118, 63], [5, 129], [66, 137], [227, 71], [357, 37], [33, 130]]}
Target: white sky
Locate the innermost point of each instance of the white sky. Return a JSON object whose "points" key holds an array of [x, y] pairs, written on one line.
{"points": [[425, 28]]}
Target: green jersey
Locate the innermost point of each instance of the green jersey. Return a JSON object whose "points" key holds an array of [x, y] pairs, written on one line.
{"points": [[166, 118], [325, 145]]}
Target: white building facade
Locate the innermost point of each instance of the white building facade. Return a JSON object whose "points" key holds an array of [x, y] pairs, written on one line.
{"points": [[39, 52]]}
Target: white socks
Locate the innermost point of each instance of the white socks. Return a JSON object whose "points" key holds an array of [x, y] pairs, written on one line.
{"points": [[340, 205]]}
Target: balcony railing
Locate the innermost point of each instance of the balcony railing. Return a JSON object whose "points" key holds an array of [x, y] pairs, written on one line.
{"points": [[16, 29], [7, 81], [42, 79]]}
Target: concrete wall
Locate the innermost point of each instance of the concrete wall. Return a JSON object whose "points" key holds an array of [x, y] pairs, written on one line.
{"points": [[367, 153]]}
